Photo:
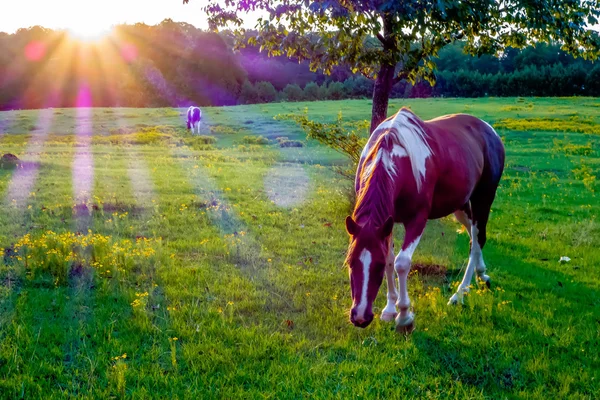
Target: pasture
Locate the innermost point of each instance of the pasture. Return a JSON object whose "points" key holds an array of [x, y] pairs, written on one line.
{"points": [[142, 262]]}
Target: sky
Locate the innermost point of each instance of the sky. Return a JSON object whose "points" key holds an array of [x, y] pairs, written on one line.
{"points": [[90, 16]]}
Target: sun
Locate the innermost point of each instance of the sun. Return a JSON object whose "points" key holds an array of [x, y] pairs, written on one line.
{"points": [[88, 31]]}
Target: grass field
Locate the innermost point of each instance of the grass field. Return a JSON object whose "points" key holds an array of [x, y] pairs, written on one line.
{"points": [[142, 263]]}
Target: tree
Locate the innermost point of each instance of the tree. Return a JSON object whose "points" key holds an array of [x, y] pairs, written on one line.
{"points": [[391, 40]]}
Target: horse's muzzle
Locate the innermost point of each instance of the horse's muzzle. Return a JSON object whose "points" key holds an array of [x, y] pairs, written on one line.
{"points": [[361, 322]]}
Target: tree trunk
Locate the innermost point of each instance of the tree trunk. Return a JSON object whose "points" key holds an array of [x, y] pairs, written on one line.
{"points": [[381, 95]]}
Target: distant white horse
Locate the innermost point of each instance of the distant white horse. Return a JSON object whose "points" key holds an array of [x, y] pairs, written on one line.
{"points": [[194, 115]]}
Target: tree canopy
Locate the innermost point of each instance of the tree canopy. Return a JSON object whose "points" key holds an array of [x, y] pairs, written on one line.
{"points": [[390, 40]]}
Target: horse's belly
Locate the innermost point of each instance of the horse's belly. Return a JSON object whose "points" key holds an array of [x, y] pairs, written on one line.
{"points": [[449, 197]]}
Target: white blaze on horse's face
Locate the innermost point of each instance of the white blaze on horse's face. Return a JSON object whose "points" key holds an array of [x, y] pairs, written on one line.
{"points": [[367, 259]]}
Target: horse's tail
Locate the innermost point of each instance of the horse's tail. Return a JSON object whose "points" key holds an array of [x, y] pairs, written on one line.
{"points": [[495, 154]]}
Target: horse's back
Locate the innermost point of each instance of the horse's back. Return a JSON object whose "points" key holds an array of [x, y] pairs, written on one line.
{"points": [[464, 133], [194, 114], [197, 114], [468, 154]]}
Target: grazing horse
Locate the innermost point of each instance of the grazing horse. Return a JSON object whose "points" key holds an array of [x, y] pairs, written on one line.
{"points": [[194, 115], [411, 171]]}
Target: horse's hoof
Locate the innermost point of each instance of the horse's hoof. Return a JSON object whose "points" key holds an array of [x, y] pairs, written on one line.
{"points": [[483, 278], [406, 324], [388, 316], [455, 299]]}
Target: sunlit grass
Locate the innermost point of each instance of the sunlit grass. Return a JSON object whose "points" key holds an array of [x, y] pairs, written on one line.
{"points": [[212, 267]]}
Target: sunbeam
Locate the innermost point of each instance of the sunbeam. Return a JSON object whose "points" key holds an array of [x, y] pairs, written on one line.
{"points": [[83, 164], [24, 178]]}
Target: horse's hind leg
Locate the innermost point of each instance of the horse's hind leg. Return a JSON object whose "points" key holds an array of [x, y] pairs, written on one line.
{"points": [[465, 217], [480, 206], [481, 213]]}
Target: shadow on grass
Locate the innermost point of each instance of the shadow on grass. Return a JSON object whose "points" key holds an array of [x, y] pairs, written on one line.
{"points": [[545, 341]]}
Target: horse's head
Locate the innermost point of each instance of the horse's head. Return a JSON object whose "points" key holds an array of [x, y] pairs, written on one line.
{"points": [[366, 260]]}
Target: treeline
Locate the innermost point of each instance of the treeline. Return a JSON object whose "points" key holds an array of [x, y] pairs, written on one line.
{"points": [[176, 64], [169, 64]]}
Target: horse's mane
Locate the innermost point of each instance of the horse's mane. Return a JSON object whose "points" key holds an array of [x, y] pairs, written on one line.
{"points": [[374, 199]]}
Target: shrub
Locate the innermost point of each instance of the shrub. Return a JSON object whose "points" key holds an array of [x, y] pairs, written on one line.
{"points": [[335, 91], [266, 92], [291, 143], [199, 141], [341, 136], [293, 93], [257, 140], [248, 94], [311, 92], [223, 130]]}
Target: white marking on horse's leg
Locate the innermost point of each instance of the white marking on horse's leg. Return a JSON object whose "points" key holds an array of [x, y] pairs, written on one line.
{"points": [[474, 259], [479, 264], [389, 312], [365, 258], [402, 267]]}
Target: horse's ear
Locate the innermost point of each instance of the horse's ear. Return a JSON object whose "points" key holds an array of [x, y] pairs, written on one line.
{"points": [[386, 228], [351, 226]]}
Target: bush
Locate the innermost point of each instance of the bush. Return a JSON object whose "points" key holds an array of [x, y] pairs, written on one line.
{"points": [[266, 92], [341, 136], [335, 91], [257, 140], [200, 140], [248, 94], [293, 93], [358, 87], [291, 143], [311, 92]]}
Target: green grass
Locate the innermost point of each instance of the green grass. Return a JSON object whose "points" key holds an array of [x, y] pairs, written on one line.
{"points": [[212, 268]]}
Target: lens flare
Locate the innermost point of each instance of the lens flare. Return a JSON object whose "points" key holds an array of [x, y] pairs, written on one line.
{"points": [[35, 50]]}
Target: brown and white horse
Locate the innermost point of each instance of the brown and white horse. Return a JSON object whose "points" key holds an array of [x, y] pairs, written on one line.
{"points": [[411, 171], [194, 116]]}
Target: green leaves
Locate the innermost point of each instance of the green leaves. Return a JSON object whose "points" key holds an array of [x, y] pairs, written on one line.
{"points": [[333, 32], [344, 137]]}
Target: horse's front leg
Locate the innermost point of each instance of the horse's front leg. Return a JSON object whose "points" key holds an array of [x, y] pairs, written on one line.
{"points": [[414, 230], [389, 312]]}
